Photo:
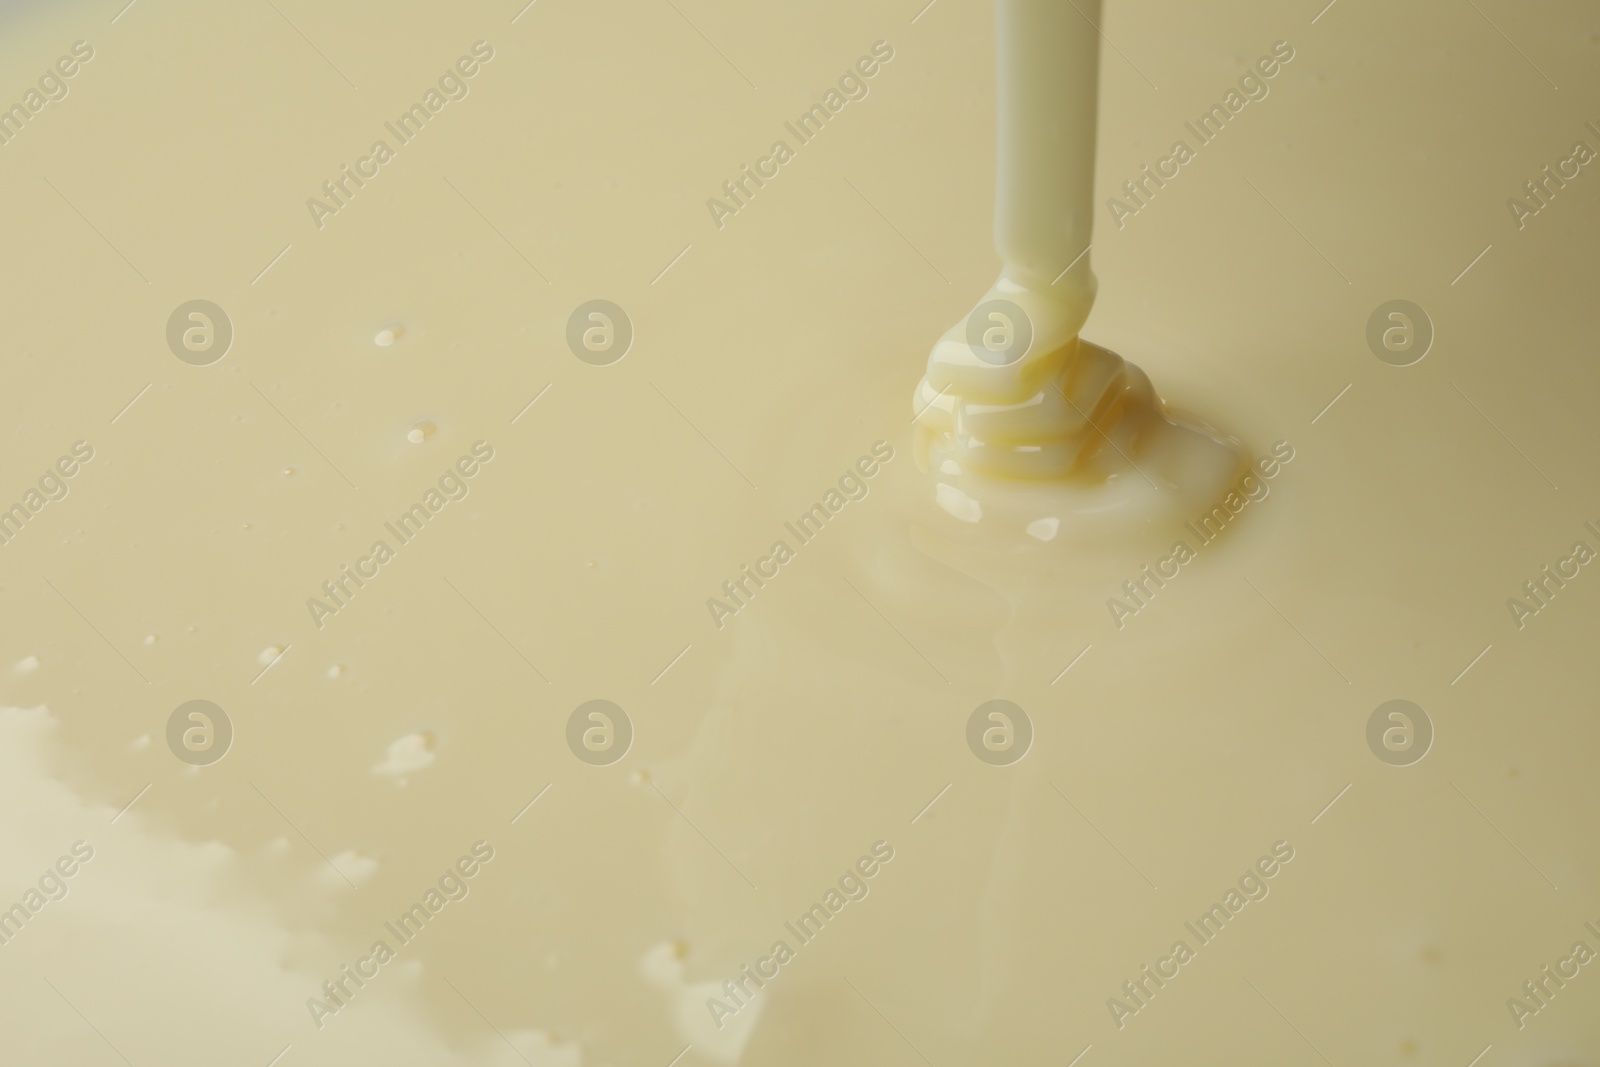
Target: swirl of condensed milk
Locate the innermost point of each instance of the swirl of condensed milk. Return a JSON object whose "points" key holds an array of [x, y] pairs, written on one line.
{"points": [[1051, 412], [1012, 392]]}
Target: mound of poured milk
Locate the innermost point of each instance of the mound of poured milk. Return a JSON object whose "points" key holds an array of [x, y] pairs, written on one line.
{"points": [[1013, 395]]}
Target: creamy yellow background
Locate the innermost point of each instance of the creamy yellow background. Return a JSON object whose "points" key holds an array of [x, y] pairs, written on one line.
{"points": [[807, 727]]}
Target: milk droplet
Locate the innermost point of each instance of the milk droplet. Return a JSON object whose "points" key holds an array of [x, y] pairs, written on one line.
{"points": [[420, 432], [150, 639], [336, 670], [639, 777], [27, 665], [268, 654], [412, 752], [389, 335], [288, 472]]}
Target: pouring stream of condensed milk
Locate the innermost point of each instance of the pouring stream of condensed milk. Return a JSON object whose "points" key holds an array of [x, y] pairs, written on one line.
{"points": [[1011, 393]]}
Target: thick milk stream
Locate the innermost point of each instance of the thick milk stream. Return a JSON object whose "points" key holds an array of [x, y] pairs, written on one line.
{"points": [[804, 726]]}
